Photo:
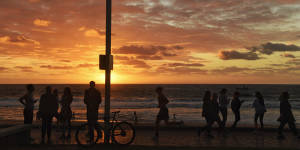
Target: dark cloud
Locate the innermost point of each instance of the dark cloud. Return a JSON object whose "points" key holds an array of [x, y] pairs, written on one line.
{"points": [[184, 65], [86, 65], [288, 55], [146, 57], [3, 69], [147, 50], [56, 67], [180, 70], [23, 67], [233, 54], [269, 48], [117, 57], [232, 69], [137, 64]]}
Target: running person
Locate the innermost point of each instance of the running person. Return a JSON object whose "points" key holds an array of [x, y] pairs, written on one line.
{"points": [[163, 113]]}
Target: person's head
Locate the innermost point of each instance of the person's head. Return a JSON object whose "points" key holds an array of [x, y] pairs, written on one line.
{"points": [[284, 96], [30, 87], [223, 91], [258, 95], [67, 91], [48, 89], [55, 92], [236, 95], [207, 96], [92, 84], [159, 90], [214, 96]]}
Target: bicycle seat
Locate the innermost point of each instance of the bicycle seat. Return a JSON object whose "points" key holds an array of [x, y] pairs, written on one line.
{"points": [[115, 112]]}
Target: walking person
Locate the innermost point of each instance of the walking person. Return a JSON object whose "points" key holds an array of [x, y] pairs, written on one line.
{"points": [[28, 102], [47, 108], [163, 113], [223, 102], [92, 100], [66, 112], [235, 107], [210, 111], [286, 116], [260, 109]]}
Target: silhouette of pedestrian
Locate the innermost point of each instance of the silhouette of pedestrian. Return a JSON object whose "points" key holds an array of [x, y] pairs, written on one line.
{"points": [[260, 109], [66, 111], [28, 102], [235, 107], [210, 111], [163, 113], [223, 102], [47, 108], [286, 115], [92, 99]]}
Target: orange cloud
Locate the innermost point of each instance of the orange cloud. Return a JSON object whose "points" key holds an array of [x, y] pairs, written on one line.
{"points": [[42, 23]]}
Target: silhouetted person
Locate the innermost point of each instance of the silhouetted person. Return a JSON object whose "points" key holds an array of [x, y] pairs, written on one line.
{"points": [[48, 107], [260, 109], [286, 115], [223, 102], [210, 111], [92, 99], [66, 111], [163, 113], [235, 107], [28, 102]]}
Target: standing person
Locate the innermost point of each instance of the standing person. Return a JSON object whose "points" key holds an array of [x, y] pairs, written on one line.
{"points": [[210, 111], [235, 107], [66, 111], [286, 115], [47, 108], [223, 102], [92, 99], [28, 102], [260, 109], [163, 113]]}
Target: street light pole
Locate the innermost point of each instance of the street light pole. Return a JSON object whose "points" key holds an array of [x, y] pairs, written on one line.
{"points": [[107, 73]]}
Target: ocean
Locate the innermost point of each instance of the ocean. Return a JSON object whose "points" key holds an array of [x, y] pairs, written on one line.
{"points": [[185, 100]]}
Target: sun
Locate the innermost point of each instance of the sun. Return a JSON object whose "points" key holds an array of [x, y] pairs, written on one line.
{"points": [[115, 78]]}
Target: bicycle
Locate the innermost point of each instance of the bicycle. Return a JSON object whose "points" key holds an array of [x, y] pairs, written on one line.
{"points": [[121, 132]]}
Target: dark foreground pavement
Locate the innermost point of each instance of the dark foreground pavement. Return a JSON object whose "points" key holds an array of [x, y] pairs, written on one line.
{"points": [[178, 138]]}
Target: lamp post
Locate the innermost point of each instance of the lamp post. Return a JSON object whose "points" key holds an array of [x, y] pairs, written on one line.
{"points": [[107, 72]]}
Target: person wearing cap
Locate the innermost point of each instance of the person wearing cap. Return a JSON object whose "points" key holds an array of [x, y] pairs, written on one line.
{"points": [[92, 100]]}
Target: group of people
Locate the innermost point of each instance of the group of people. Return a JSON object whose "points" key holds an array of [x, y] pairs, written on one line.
{"points": [[216, 103], [213, 104], [49, 107]]}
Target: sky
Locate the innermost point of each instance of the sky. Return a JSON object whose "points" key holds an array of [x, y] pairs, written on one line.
{"points": [[153, 41]]}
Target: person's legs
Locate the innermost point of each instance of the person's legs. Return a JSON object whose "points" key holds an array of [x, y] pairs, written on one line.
{"points": [[280, 128], [157, 122], [69, 128], [261, 120], [292, 126], [237, 118], [255, 120], [28, 116], [224, 115], [49, 127], [44, 128]]}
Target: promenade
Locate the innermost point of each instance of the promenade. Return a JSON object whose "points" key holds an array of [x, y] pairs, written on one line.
{"points": [[187, 137]]}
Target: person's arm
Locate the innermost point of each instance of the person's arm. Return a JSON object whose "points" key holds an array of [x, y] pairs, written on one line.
{"points": [[21, 100], [85, 97]]}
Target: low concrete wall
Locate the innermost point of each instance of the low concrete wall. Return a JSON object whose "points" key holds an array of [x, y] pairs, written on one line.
{"points": [[18, 134]]}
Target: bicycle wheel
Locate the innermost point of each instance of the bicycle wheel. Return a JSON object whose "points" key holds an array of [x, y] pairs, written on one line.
{"points": [[123, 133], [82, 135]]}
